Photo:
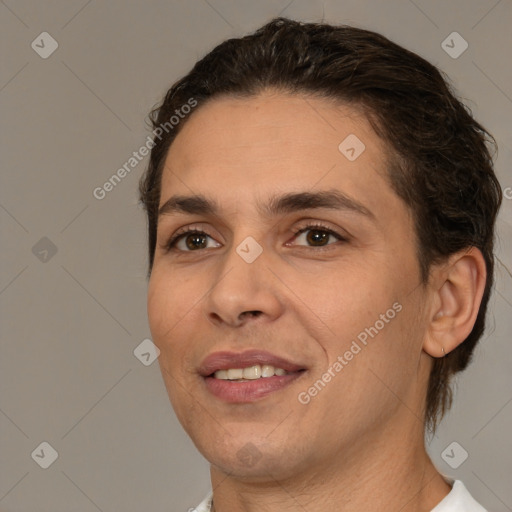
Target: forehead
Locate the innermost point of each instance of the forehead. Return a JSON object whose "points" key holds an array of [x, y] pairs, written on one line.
{"points": [[238, 148]]}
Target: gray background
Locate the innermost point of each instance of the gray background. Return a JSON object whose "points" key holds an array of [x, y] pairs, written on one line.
{"points": [[70, 321]]}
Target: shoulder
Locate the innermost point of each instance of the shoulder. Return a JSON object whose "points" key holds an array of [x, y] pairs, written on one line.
{"points": [[458, 500]]}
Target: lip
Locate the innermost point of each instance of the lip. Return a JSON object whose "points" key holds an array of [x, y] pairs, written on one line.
{"points": [[251, 390], [227, 360]]}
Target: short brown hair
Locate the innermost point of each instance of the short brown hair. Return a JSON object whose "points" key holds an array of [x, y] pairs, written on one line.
{"points": [[440, 161]]}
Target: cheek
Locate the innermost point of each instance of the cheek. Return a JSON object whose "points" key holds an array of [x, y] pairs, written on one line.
{"points": [[168, 302], [347, 298], [158, 303], [350, 302], [391, 357], [167, 307]]}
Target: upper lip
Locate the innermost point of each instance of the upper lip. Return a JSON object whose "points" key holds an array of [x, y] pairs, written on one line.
{"points": [[226, 360]]}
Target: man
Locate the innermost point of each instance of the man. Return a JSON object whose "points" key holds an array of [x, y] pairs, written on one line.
{"points": [[321, 212]]}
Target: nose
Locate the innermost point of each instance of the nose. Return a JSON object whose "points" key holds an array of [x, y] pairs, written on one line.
{"points": [[243, 292]]}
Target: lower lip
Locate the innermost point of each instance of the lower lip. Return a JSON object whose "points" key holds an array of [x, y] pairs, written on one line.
{"points": [[251, 390]]}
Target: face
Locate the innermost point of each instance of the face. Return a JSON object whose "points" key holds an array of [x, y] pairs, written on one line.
{"points": [[291, 318]]}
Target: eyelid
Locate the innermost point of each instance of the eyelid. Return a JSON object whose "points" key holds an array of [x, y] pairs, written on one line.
{"points": [[321, 226]]}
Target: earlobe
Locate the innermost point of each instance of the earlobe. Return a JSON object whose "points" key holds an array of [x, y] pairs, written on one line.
{"points": [[458, 286]]}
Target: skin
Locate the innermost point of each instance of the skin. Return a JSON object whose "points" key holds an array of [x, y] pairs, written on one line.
{"points": [[359, 442]]}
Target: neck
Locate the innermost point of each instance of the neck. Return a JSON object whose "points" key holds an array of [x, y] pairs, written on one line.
{"points": [[388, 472]]}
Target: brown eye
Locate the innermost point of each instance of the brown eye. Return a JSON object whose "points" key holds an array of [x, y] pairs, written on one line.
{"points": [[317, 237], [191, 240], [196, 241]]}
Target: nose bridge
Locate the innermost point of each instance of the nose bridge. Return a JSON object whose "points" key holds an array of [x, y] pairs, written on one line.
{"points": [[244, 284], [243, 268]]}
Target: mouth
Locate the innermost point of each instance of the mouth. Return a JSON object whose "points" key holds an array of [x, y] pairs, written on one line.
{"points": [[248, 376]]}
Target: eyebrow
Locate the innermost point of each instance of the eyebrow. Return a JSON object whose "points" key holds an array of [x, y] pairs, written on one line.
{"points": [[277, 205]]}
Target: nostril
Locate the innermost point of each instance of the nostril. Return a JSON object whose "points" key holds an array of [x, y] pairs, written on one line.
{"points": [[252, 313]]}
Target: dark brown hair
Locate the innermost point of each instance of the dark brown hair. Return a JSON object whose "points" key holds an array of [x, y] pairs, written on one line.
{"points": [[440, 161]]}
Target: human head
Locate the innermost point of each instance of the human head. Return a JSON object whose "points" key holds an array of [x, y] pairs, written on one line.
{"points": [[439, 162]]}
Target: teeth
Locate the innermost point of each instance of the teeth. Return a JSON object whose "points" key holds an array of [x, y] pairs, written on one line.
{"points": [[251, 373], [234, 374], [267, 370]]}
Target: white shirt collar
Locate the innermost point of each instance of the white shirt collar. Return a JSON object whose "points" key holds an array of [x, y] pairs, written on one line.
{"points": [[205, 505], [458, 500]]}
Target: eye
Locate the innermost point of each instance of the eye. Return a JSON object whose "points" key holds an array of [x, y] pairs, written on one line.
{"points": [[191, 240], [317, 235]]}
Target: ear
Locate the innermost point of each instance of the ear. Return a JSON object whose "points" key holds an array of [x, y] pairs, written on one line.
{"points": [[457, 287]]}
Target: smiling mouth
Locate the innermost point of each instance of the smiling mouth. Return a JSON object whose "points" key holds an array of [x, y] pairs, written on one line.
{"points": [[249, 376]]}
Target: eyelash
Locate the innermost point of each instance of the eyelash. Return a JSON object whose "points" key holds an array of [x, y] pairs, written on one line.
{"points": [[170, 245]]}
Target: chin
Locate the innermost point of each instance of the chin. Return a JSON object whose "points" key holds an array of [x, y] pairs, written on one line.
{"points": [[253, 459], [264, 469]]}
